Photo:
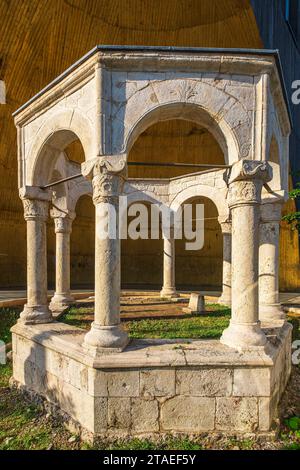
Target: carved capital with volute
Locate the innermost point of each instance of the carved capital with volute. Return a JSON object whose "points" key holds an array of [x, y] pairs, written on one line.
{"points": [[62, 220], [108, 174], [35, 209], [35, 202], [246, 180]]}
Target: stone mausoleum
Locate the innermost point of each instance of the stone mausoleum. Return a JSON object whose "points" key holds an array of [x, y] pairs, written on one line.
{"points": [[106, 384]]}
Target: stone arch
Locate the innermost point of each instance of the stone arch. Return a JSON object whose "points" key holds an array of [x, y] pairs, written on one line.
{"points": [[201, 190], [81, 187], [141, 196], [57, 132], [224, 115]]}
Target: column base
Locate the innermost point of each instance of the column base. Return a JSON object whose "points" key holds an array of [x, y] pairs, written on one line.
{"points": [[35, 315], [271, 313], [169, 292], [104, 339], [60, 302], [244, 336]]}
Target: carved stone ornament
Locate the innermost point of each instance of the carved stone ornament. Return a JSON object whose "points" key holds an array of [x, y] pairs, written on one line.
{"points": [[245, 181], [62, 225], [250, 170], [35, 209], [108, 174], [244, 192]]}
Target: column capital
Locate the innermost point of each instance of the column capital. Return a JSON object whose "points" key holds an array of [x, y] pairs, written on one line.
{"points": [[108, 174], [250, 170], [62, 220], [246, 180], [35, 209], [35, 202], [63, 224]]}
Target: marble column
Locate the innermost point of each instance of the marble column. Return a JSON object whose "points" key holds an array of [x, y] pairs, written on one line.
{"points": [[63, 228], [106, 333], [225, 298], [168, 288], [245, 185], [269, 307], [36, 211]]}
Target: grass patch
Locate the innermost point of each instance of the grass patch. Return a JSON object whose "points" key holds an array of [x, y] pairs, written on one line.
{"points": [[8, 317], [205, 326]]}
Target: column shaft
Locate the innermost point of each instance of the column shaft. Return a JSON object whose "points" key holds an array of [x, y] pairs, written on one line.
{"points": [[169, 289], [245, 184], [108, 178], [62, 296], [36, 309], [269, 306], [107, 272], [225, 298]]}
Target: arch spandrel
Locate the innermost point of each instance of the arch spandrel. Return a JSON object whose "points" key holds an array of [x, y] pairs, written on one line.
{"points": [[229, 118]]}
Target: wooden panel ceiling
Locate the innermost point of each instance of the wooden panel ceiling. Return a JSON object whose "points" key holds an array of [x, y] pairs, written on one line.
{"points": [[41, 38]]}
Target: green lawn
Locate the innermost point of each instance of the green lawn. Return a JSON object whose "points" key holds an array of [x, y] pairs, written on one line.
{"points": [[27, 426], [209, 325], [8, 317]]}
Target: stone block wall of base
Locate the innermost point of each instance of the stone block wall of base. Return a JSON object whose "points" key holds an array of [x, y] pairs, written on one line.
{"points": [[154, 387]]}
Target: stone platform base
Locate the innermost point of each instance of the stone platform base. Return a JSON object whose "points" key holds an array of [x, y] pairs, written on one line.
{"points": [[154, 387]]}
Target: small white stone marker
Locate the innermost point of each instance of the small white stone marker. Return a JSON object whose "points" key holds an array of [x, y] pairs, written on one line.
{"points": [[196, 304]]}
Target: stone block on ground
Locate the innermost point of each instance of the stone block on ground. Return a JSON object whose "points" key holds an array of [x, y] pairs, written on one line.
{"points": [[196, 304]]}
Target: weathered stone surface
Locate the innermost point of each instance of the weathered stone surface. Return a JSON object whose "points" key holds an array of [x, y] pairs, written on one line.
{"points": [[123, 383], [99, 414], [157, 383], [251, 382], [141, 400], [144, 415], [97, 382], [238, 414], [188, 414], [204, 382], [119, 413], [267, 412]]}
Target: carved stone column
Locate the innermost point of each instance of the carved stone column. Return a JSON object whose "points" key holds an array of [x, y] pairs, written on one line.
{"points": [[36, 209], [225, 298], [63, 228], [107, 175], [245, 185], [169, 289], [269, 306]]}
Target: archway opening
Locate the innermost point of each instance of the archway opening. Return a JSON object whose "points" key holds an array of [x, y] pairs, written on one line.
{"points": [[173, 141], [64, 142], [201, 269], [141, 259], [83, 245]]}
